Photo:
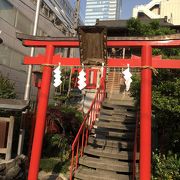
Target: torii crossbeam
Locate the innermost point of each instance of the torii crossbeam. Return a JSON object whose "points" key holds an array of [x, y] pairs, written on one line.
{"points": [[146, 63]]}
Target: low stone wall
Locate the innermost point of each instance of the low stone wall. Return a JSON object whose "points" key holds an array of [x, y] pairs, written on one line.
{"points": [[14, 169]]}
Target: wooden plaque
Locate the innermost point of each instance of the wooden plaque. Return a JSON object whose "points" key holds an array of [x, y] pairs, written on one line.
{"points": [[93, 45]]}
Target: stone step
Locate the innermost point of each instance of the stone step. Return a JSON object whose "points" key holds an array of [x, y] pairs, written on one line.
{"points": [[115, 125], [117, 103], [114, 118], [106, 105], [117, 112], [109, 152], [92, 174], [110, 106], [102, 142], [117, 96], [106, 164], [112, 134]]}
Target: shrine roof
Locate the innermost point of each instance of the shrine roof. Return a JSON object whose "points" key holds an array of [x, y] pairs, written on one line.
{"points": [[22, 37], [13, 104], [122, 24]]}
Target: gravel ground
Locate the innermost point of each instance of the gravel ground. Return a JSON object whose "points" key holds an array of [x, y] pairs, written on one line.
{"points": [[49, 176]]}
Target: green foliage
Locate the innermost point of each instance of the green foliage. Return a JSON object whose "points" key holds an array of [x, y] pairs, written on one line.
{"points": [[7, 91], [67, 118], [6, 88], [165, 86], [137, 28], [71, 121], [62, 96], [54, 165], [166, 95], [135, 88], [166, 106], [56, 145], [166, 167]]}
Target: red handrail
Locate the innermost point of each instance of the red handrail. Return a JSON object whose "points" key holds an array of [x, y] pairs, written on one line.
{"points": [[81, 138], [135, 148]]}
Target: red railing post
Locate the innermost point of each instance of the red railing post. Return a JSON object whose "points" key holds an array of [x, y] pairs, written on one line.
{"points": [[145, 113], [41, 116], [87, 127], [72, 164], [84, 129], [82, 141], [77, 154], [104, 83]]}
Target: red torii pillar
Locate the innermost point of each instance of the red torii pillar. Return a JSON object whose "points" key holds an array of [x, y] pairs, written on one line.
{"points": [[146, 62]]}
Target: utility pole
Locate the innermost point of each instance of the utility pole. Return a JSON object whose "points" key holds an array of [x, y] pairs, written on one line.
{"points": [[28, 82], [75, 26], [76, 16]]}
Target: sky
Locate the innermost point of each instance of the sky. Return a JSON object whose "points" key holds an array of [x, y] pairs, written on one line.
{"points": [[127, 6]]}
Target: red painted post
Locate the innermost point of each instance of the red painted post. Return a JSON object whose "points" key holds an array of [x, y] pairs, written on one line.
{"points": [[72, 164], [94, 77], [77, 154], [87, 77], [145, 114], [41, 116]]}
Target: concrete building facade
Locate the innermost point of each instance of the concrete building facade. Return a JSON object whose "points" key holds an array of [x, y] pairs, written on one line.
{"points": [[18, 16], [102, 10], [156, 9]]}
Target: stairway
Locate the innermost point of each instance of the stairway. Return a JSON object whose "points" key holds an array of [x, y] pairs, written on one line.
{"points": [[109, 153]]}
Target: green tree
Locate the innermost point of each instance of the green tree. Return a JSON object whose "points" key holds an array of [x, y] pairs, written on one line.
{"points": [[7, 90], [137, 28], [166, 85], [166, 167], [165, 102]]}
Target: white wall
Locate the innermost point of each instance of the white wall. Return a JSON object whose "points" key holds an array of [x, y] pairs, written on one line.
{"points": [[169, 8]]}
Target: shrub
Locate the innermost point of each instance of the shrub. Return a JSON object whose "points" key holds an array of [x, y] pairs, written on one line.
{"points": [[166, 167], [67, 118], [56, 145], [54, 165], [66, 122]]}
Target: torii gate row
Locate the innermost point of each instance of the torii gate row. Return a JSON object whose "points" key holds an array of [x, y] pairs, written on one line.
{"points": [[146, 63]]}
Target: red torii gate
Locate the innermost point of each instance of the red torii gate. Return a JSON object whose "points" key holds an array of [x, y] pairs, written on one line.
{"points": [[146, 63]]}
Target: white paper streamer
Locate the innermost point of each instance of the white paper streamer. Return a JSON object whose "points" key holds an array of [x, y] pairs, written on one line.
{"points": [[82, 80], [57, 76], [127, 77]]}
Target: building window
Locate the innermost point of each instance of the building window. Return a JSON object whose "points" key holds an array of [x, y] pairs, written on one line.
{"points": [[17, 61], [11, 58], [23, 24], [5, 55], [7, 12]]}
